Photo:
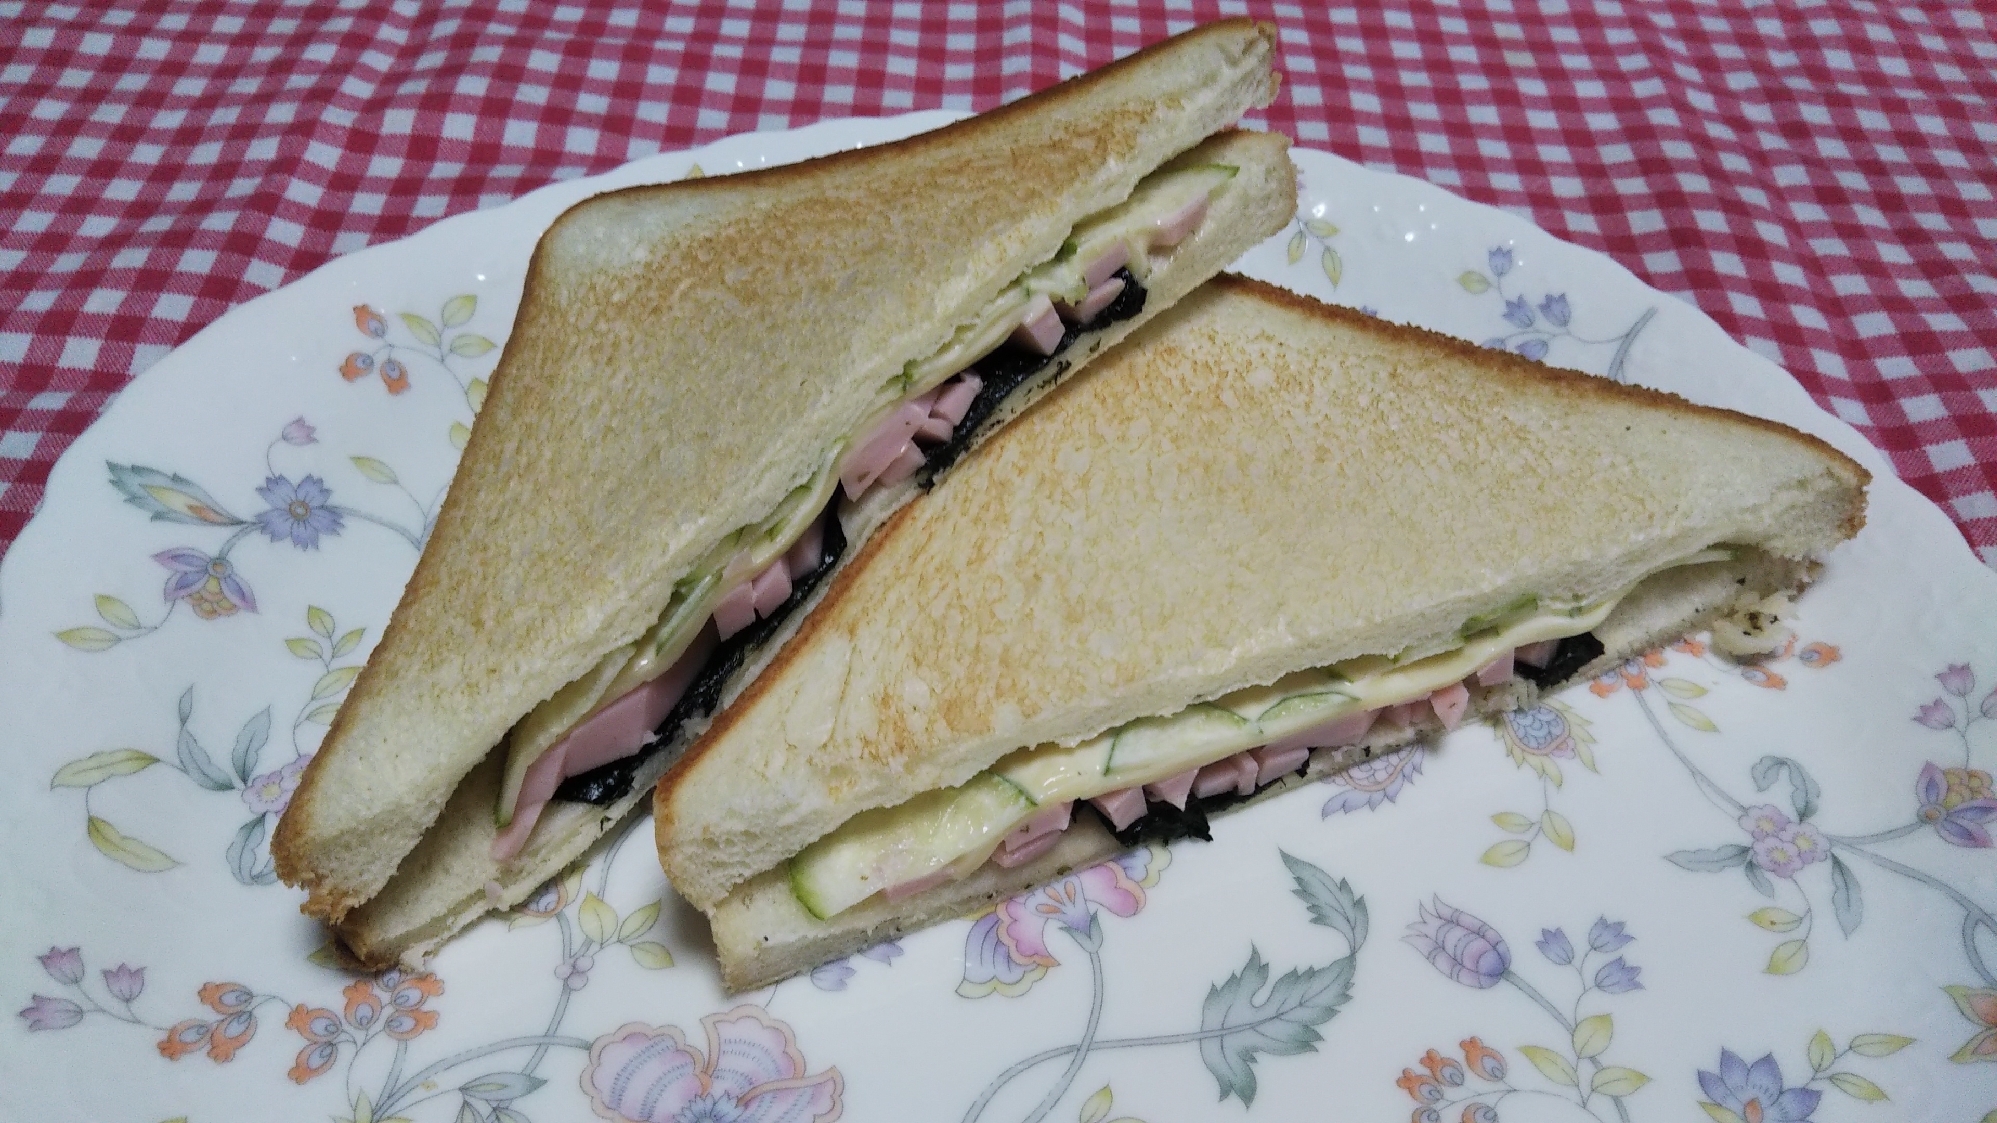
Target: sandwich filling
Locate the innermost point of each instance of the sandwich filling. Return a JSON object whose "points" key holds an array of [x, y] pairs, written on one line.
{"points": [[584, 743], [1157, 776]]}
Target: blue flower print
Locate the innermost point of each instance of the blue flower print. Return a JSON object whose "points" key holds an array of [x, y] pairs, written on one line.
{"points": [[1607, 935], [300, 511], [1554, 945], [1756, 1092], [1555, 309], [1618, 977]]}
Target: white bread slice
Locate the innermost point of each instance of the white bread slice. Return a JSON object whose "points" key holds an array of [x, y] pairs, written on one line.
{"points": [[683, 357], [762, 934], [443, 884], [1254, 484]]}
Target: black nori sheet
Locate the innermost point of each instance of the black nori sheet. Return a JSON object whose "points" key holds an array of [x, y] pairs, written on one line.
{"points": [[610, 782], [1574, 653]]}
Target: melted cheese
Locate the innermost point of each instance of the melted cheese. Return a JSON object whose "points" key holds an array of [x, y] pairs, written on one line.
{"points": [[934, 832]]}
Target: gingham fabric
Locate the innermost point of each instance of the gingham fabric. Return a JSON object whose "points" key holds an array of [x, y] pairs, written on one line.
{"points": [[1815, 175]]}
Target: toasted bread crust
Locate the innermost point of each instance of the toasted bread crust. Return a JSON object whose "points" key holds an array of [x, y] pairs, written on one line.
{"points": [[479, 635], [935, 656], [1505, 364]]}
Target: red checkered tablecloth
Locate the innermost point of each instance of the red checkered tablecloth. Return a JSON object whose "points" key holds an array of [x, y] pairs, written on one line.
{"points": [[1816, 176]]}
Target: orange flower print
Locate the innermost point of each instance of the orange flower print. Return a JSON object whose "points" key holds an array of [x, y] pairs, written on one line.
{"points": [[227, 998], [1634, 673], [395, 376], [1424, 1088], [1483, 1060], [406, 996], [322, 1032], [1446, 1069], [393, 1004], [184, 1038], [1690, 645], [1763, 677], [1819, 655], [229, 1035], [363, 1005], [1431, 1089], [222, 1037]]}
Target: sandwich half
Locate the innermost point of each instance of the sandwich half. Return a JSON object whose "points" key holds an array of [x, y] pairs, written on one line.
{"points": [[1264, 539], [714, 391]]}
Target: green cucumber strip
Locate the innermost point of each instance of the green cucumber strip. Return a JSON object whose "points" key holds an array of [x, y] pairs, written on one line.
{"points": [[1148, 744], [892, 845]]}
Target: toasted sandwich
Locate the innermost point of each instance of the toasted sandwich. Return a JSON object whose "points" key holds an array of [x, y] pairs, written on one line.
{"points": [[714, 392], [1264, 539]]}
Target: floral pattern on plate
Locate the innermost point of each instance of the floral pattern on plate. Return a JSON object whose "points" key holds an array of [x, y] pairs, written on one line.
{"points": [[1758, 892]]}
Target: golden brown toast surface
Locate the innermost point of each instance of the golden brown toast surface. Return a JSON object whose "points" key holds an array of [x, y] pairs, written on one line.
{"points": [[1253, 484]]}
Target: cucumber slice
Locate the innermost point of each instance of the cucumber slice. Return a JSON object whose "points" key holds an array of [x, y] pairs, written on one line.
{"points": [[973, 341], [1301, 711], [1153, 748], [892, 845], [1049, 774], [1520, 608]]}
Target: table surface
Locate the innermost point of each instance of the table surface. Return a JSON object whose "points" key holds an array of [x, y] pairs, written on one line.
{"points": [[1817, 177]]}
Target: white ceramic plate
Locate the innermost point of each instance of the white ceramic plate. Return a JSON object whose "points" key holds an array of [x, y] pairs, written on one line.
{"points": [[1766, 892]]}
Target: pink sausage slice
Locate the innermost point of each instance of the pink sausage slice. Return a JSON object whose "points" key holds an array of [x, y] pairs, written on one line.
{"points": [[1027, 852], [1403, 714], [872, 456], [1111, 260], [1040, 331], [1049, 821], [956, 397], [771, 587], [935, 430], [1173, 789], [536, 789], [1537, 654], [1273, 762], [902, 466], [1450, 702], [1496, 671], [1122, 807], [1173, 228], [1092, 305], [1236, 772], [807, 551], [736, 610], [612, 733]]}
